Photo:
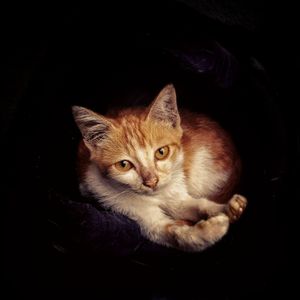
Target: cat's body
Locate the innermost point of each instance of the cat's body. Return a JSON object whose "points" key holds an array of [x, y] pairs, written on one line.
{"points": [[164, 170]]}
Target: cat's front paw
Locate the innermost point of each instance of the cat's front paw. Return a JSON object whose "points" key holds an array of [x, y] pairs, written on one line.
{"points": [[236, 207], [214, 228], [186, 236]]}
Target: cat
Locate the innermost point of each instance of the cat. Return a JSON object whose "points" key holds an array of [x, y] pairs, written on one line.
{"points": [[173, 173]]}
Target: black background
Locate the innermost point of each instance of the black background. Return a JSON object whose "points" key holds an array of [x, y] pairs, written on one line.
{"points": [[123, 54]]}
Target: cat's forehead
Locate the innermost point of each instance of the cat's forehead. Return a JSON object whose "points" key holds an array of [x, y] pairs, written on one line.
{"points": [[136, 138], [137, 132]]}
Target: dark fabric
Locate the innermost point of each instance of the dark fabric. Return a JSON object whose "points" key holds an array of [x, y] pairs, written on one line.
{"points": [[93, 230], [232, 61]]}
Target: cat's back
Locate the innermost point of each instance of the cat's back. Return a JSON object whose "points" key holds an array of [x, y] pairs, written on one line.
{"points": [[211, 163]]}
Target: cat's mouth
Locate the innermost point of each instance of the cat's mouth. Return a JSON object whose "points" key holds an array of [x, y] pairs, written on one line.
{"points": [[146, 190]]}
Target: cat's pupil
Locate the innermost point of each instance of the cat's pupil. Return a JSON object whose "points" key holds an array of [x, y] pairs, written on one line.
{"points": [[161, 151], [123, 163]]}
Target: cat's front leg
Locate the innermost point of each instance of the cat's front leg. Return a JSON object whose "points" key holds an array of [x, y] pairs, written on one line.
{"points": [[195, 209], [234, 208], [181, 234]]}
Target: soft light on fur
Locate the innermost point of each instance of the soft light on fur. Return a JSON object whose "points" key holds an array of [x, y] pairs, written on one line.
{"points": [[168, 197]]}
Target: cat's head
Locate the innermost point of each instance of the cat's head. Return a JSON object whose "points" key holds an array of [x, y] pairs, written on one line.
{"points": [[139, 149]]}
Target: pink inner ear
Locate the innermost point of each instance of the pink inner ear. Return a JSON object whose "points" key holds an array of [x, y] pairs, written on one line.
{"points": [[164, 108]]}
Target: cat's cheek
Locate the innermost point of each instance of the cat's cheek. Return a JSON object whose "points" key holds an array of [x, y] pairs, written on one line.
{"points": [[130, 177], [164, 166], [164, 169], [177, 160], [172, 163]]}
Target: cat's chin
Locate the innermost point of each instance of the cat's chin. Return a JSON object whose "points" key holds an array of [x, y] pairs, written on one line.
{"points": [[147, 192]]}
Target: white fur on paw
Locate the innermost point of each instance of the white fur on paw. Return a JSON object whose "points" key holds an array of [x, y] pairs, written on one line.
{"points": [[214, 228], [201, 235], [236, 207]]}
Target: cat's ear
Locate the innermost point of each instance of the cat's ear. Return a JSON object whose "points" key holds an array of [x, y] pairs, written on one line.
{"points": [[164, 107], [93, 127]]}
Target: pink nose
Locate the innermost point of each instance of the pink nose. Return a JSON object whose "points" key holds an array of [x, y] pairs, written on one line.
{"points": [[151, 182]]}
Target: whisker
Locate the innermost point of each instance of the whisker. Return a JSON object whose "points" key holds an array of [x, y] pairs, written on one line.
{"points": [[116, 195]]}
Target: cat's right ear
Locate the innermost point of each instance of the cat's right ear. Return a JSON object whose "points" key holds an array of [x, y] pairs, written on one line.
{"points": [[93, 127], [164, 107]]}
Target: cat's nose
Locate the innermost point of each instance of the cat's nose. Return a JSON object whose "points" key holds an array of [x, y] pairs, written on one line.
{"points": [[151, 182]]}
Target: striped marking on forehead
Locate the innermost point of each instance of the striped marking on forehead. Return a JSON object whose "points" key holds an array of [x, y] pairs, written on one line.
{"points": [[144, 156], [133, 134], [137, 142]]}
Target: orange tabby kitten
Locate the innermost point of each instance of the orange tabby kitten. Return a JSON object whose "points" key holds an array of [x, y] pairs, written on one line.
{"points": [[163, 169]]}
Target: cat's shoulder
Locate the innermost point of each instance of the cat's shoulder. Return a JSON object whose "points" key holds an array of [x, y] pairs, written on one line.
{"points": [[200, 130], [196, 123]]}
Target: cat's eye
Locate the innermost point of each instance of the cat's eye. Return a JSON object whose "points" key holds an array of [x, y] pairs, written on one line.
{"points": [[162, 153], [123, 165]]}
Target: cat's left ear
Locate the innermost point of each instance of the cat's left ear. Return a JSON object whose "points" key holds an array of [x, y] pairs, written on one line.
{"points": [[164, 107]]}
